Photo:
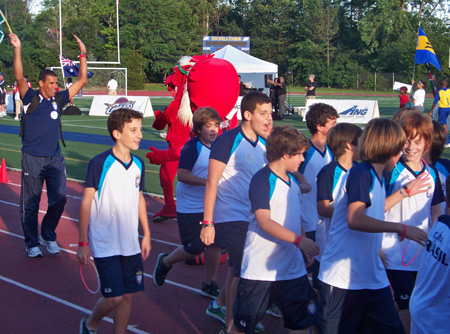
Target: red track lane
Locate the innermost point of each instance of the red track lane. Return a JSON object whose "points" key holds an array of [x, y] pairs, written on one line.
{"points": [[47, 294]]}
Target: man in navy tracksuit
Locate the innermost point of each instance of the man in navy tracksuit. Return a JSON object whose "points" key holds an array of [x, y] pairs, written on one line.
{"points": [[41, 154]]}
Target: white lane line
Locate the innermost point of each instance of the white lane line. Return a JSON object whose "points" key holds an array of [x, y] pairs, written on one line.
{"points": [[147, 275], [64, 302]]}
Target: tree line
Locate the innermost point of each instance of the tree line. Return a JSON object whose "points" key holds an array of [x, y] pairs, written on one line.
{"points": [[333, 39]]}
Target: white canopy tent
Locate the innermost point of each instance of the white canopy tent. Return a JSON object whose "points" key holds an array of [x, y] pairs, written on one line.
{"points": [[251, 69]]}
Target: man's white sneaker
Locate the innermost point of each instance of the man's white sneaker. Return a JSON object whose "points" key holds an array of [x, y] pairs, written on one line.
{"points": [[52, 246], [447, 145], [16, 118], [34, 252]]}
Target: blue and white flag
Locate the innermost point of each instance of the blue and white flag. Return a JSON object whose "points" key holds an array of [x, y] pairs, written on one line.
{"points": [[1, 31], [70, 69]]}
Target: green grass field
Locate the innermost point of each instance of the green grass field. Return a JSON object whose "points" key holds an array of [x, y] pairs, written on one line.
{"points": [[78, 154]]}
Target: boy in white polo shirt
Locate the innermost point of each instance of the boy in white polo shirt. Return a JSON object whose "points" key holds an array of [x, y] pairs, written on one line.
{"points": [[430, 302], [111, 208], [355, 296], [273, 269], [235, 157]]}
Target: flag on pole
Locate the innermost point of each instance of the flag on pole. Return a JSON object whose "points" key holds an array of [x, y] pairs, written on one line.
{"points": [[425, 52], [432, 83], [70, 69]]}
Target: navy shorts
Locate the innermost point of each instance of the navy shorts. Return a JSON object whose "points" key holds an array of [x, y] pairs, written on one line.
{"points": [[357, 311], [120, 274], [295, 298], [189, 228], [231, 236], [402, 282]]}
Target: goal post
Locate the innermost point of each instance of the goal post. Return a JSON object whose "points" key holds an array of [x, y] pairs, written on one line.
{"points": [[100, 78]]}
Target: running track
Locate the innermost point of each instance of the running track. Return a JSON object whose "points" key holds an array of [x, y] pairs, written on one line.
{"points": [[46, 294]]}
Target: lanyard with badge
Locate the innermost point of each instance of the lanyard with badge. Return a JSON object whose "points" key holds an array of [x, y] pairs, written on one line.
{"points": [[54, 113]]}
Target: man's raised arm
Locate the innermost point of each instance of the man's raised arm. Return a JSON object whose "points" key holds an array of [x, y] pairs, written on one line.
{"points": [[82, 73], [17, 66]]}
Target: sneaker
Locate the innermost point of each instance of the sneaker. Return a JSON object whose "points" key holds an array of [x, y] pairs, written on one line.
{"points": [[218, 312], [259, 328], [447, 145], [52, 246], [160, 271], [16, 118], [84, 329], [34, 252], [274, 311], [210, 290]]}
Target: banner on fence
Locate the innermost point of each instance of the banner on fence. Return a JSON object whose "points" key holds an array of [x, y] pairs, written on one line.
{"points": [[103, 105], [351, 111], [398, 85]]}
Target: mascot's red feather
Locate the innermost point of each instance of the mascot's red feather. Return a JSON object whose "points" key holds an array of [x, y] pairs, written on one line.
{"points": [[200, 81]]}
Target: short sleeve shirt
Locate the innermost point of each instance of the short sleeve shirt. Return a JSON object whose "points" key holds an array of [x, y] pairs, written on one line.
{"points": [[114, 215], [243, 158], [194, 158], [41, 127], [350, 260], [267, 258]]}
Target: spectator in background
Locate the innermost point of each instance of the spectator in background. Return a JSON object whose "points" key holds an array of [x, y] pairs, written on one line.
{"points": [[310, 88], [418, 98], [281, 92], [404, 99], [274, 95], [2, 95], [243, 87], [111, 87], [68, 84]]}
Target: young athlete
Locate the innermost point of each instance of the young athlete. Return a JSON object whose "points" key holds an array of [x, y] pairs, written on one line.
{"points": [[273, 270], [111, 208], [319, 119], [404, 99], [192, 173], [430, 302], [355, 295], [235, 157], [410, 205], [442, 99], [342, 140]]}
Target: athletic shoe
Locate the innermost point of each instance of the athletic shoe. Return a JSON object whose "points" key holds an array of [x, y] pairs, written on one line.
{"points": [[218, 312], [84, 329], [259, 328], [210, 290], [160, 271], [274, 311], [34, 252], [447, 145], [16, 118], [52, 246]]}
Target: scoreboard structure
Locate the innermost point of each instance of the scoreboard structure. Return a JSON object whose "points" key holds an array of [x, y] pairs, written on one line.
{"points": [[213, 43]]}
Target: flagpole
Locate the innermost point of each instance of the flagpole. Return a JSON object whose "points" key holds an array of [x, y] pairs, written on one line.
{"points": [[60, 45], [414, 68]]}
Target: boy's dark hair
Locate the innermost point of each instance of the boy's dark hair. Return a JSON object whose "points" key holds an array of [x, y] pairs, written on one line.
{"points": [[203, 116], [251, 100], [399, 114], [319, 114], [46, 73], [381, 140], [418, 125], [285, 140], [119, 117], [340, 135], [439, 141]]}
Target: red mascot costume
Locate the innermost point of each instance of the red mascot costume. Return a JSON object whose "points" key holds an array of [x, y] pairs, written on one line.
{"points": [[200, 81]]}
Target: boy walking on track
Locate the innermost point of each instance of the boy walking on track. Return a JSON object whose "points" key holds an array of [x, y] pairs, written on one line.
{"points": [[235, 157], [41, 154], [111, 208], [355, 296], [273, 269]]}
